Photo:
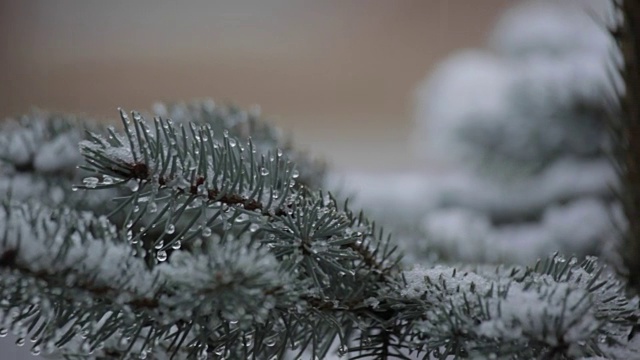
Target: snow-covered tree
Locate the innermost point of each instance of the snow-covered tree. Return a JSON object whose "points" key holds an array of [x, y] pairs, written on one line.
{"points": [[516, 143], [198, 232], [527, 119]]}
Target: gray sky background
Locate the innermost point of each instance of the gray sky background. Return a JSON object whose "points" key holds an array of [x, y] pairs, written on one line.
{"points": [[339, 75]]}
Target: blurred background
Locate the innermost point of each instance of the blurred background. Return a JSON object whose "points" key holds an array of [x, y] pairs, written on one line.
{"points": [[339, 75]]}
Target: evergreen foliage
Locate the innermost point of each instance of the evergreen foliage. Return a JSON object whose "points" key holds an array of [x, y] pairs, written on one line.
{"points": [[213, 249]]}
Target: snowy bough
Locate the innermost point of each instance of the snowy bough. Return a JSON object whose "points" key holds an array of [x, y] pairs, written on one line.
{"points": [[209, 237]]}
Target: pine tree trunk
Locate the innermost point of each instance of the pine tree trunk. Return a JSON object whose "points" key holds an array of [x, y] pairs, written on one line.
{"points": [[627, 136]]}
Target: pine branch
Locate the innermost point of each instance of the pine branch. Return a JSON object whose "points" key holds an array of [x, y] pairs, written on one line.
{"points": [[39, 158], [557, 309], [219, 252], [70, 261], [244, 125], [31, 143], [215, 199], [196, 171]]}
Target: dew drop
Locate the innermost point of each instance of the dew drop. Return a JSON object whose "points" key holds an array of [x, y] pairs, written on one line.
{"points": [[254, 227], [269, 342], [133, 185], [248, 340], [35, 350], [176, 245], [342, 350], [153, 207], [74, 188], [90, 182], [107, 180], [295, 173], [206, 231], [219, 350], [232, 142], [242, 218], [159, 245], [3, 332], [264, 171], [20, 341], [170, 229], [129, 224], [162, 255], [124, 341]]}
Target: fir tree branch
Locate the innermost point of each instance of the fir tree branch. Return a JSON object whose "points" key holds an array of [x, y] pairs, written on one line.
{"points": [[91, 264], [222, 254], [561, 307], [244, 125], [212, 185], [202, 172], [39, 159]]}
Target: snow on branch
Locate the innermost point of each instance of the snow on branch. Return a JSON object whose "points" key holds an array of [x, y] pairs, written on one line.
{"points": [[39, 157], [559, 307], [55, 260], [192, 190], [214, 249], [196, 171], [243, 125]]}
